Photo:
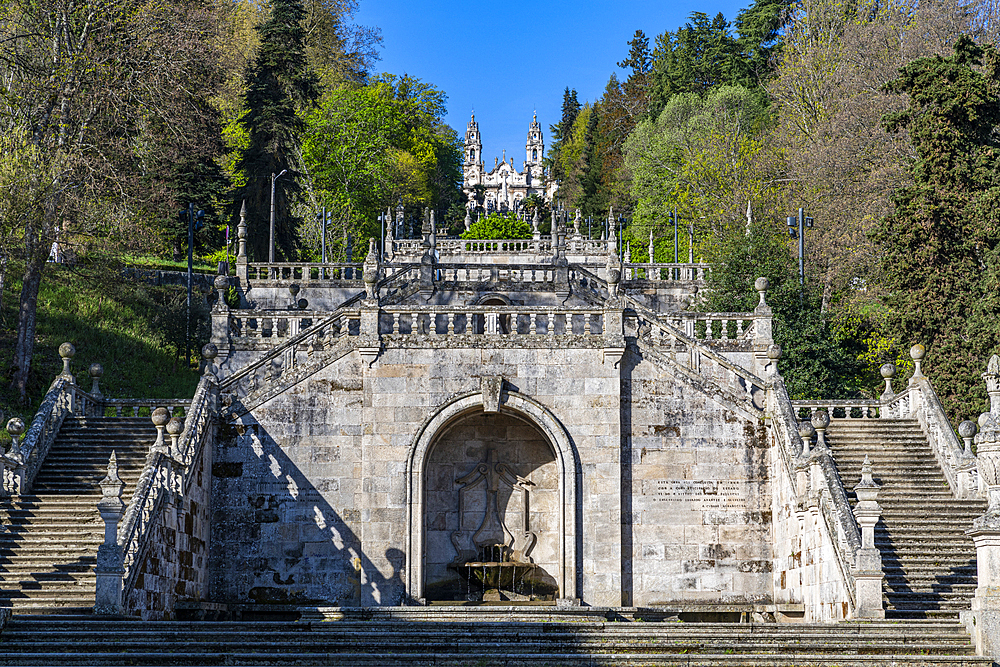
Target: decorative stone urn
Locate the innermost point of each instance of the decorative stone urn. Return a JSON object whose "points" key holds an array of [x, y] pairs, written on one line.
{"points": [[888, 371], [820, 420]]}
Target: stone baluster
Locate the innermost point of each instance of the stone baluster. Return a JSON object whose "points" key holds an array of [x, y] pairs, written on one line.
{"points": [[965, 469], [220, 313], [17, 456], [96, 371], [160, 417], [762, 326], [414, 323], [110, 568], [552, 324], [983, 619], [12, 461], [209, 352], [888, 372], [174, 429], [708, 328], [451, 323], [820, 421], [395, 322], [867, 570]]}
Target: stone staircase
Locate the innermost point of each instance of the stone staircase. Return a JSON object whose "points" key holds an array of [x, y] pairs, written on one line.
{"points": [[381, 640], [48, 550], [928, 561]]}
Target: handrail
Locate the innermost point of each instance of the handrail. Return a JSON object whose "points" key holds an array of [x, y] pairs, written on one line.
{"points": [[926, 407], [289, 343], [293, 341], [58, 402], [838, 519], [654, 320], [165, 473], [869, 408]]}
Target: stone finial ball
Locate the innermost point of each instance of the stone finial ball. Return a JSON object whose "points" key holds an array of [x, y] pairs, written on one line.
{"points": [[761, 284], [967, 429], [293, 289], [806, 430], [820, 419], [15, 426], [209, 351], [160, 416], [221, 282], [175, 426], [888, 371], [96, 370], [774, 352], [66, 350], [303, 304], [917, 352]]}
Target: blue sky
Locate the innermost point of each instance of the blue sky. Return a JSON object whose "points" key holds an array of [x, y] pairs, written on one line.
{"points": [[506, 59]]}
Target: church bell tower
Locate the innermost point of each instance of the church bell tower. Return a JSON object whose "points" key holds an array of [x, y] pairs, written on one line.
{"points": [[535, 148], [473, 152]]}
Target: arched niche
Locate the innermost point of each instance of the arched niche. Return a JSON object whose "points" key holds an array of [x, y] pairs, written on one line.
{"points": [[467, 409]]}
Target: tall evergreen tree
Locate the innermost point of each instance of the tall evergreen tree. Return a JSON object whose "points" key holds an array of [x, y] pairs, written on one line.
{"points": [[561, 133], [279, 82], [939, 247]]}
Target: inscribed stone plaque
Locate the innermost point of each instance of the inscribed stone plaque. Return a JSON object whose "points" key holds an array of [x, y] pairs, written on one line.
{"points": [[700, 494]]}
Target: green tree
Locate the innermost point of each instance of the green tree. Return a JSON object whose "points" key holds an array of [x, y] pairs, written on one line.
{"points": [[704, 157], [939, 247], [498, 226], [279, 84], [560, 132], [814, 363], [80, 84], [370, 147]]}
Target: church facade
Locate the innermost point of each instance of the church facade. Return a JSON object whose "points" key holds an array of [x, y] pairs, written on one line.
{"points": [[504, 188]]}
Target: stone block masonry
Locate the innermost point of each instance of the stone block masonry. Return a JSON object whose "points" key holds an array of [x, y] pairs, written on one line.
{"points": [[334, 490]]}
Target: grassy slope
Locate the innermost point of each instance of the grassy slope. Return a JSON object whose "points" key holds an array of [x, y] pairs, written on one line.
{"points": [[108, 320]]}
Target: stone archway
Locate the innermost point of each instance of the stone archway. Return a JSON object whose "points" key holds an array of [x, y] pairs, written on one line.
{"points": [[546, 453]]}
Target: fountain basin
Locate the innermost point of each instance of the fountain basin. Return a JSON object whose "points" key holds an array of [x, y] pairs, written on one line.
{"points": [[501, 575]]}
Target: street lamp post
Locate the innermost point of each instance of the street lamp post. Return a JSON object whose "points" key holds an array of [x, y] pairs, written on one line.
{"points": [[195, 221], [675, 236], [270, 253], [798, 232], [324, 220]]}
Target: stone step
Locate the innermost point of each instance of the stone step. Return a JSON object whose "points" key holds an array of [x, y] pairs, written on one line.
{"points": [[45, 641]]}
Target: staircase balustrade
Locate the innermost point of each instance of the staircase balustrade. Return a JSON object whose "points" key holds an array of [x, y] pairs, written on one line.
{"points": [[664, 272], [840, 409], [918, 401], [515, 273], [58, 402], [304, 272], [337, 325], [824, 495], [166, 479], [923, 404], [492, 320], [694, 356]]}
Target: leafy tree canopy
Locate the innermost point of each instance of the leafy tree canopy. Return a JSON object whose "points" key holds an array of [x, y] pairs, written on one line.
{"points": [[498, 226]]}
